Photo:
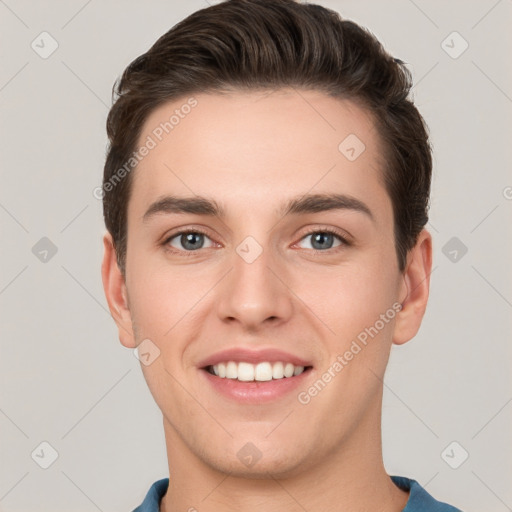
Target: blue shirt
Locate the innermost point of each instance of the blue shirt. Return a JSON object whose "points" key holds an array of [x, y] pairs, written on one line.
{"points": [[419, 499]]}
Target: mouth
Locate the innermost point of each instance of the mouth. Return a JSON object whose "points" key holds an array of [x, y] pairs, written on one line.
{"points": [[256, 384]]}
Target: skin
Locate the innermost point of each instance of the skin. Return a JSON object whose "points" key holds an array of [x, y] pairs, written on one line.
{"points": [[251, 151]]}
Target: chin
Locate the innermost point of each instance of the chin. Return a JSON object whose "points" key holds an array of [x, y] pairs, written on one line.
{"points": [[247, 461]]}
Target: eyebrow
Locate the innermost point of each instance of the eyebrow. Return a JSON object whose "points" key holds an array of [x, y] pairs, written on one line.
{"points": [[311, 203]]}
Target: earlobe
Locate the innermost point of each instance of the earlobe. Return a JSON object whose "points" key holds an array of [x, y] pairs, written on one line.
{"points": [[114, 287], [414, 290]]}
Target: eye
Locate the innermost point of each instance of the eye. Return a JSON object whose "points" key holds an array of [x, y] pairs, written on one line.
{"points": [[188, 241], [322, 240]]}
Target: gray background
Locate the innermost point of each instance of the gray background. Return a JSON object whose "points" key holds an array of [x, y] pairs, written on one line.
{"points": [[66, 379]]}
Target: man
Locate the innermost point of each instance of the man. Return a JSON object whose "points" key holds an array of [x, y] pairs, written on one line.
{"points": [[265, 194]]}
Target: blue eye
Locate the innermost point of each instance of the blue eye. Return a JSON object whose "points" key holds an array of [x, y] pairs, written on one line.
{"points": [[323, 238], [190, 240]]}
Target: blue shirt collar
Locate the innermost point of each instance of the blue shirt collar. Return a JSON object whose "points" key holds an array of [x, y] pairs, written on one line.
{"points": [[419, 499]]}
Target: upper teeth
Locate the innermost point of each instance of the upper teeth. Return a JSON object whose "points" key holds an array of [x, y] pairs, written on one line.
{"points": [[262, 371]]}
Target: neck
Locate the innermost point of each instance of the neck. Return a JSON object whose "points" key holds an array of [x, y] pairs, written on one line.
{"points": [[351, 478]]}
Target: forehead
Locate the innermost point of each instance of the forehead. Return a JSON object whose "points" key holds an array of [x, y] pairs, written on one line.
{"points": [[266, 145]]}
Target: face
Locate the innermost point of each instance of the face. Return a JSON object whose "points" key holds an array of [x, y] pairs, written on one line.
{"points": [[272, 274]]}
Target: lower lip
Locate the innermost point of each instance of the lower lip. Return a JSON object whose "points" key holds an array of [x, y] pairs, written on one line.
{"points": [[256, 392]]}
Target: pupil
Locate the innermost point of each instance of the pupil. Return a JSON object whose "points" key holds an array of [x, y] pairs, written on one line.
{"points": [[188, 240], [321, 238]]}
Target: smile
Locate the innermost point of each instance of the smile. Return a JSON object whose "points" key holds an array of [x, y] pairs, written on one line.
{"points": [[242, 383], [261, 372]]}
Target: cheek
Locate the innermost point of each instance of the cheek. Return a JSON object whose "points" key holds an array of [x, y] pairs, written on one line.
{"points": [[358, 291], [165, 300], [347, 301]]}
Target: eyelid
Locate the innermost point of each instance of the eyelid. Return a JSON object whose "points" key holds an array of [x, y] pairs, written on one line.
{"points": [[345, 236]]}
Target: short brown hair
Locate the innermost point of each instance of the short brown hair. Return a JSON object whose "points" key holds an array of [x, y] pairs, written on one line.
{"points": [[271, 44]]}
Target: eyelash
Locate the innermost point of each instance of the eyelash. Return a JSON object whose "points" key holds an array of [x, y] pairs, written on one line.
{"points": [[331, 231]]}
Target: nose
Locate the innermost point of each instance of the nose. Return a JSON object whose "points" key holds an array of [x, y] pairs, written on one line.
{"points": [[254, 293]]}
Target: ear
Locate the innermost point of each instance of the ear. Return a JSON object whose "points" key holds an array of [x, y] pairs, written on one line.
{"points": [[115, 291], [414, 290]]}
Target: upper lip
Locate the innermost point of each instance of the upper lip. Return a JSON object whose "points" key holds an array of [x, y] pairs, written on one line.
{"points": [[271, 355]]}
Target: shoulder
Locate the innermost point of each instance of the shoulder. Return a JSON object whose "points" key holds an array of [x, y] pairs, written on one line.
{"points": [[419, 499], [156, 492]]}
